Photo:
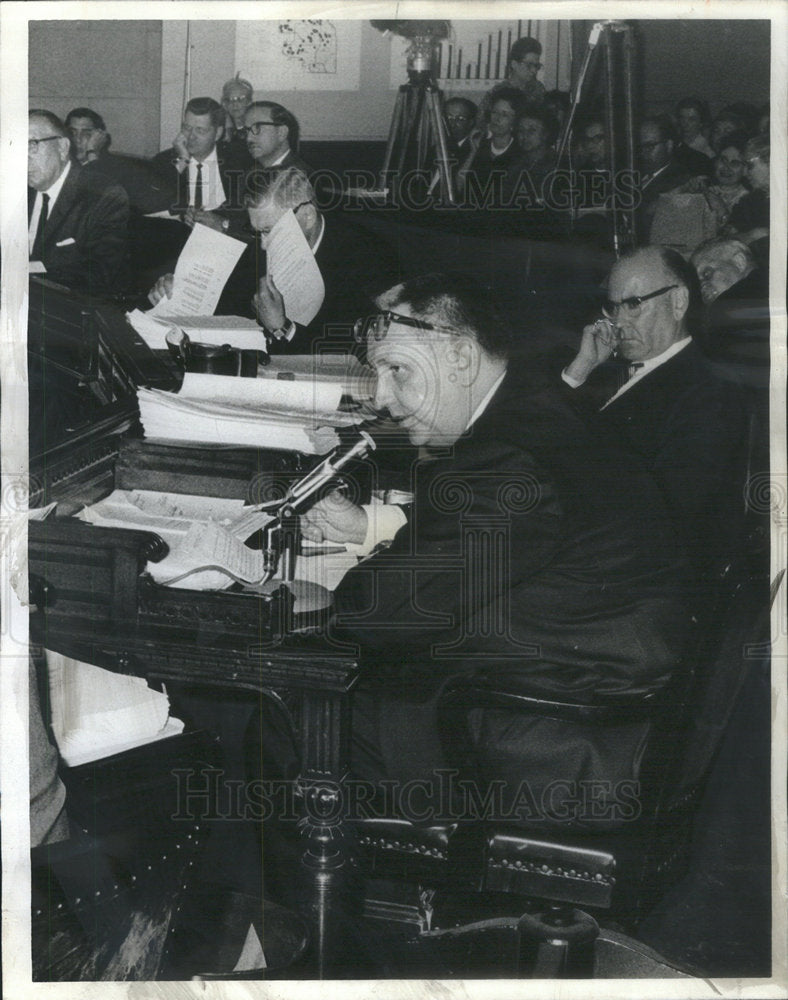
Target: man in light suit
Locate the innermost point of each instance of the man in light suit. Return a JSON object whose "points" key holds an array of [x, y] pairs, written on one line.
{"points": [[77, 227]]}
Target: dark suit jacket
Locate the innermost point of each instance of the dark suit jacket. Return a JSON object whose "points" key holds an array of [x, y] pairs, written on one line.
{"points": [[234, 165], [689, 427], [537, 555], [588, 574], [86, 236], [146, 190]]}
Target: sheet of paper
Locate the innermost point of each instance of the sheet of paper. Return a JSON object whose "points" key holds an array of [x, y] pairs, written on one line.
{"points": [[294, 270], [153, 331], [210, 546], [36, 267], [205, 264]]}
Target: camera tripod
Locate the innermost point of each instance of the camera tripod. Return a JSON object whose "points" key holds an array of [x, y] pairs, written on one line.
{"points": [[417, 129], [618, 45]]}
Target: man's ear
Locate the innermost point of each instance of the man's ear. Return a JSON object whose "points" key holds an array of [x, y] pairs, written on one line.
{"points": [[463, 357], [680, 299], [220, 133], [739, 261]]}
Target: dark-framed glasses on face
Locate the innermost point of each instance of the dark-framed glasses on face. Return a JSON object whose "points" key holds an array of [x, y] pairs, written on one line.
{"points": [[257, 127], [377, 326], [33, 144], [633, 303]]}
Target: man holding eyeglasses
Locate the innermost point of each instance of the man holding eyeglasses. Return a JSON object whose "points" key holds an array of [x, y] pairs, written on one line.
{"points": [[686, 424], [77, 228]]}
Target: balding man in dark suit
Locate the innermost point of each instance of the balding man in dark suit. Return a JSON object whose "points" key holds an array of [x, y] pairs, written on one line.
{"points": [[77, 224]]}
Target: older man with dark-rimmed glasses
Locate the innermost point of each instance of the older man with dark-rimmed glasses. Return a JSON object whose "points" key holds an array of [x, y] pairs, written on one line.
{"points": [[684, 422]]}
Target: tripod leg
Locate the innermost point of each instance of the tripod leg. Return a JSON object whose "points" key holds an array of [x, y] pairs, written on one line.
{"points": [[610, 131], [394, 133], [439, 130]]}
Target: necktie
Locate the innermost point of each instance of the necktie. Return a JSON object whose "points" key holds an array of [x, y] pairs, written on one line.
{"points": [[38, 242], [198, 187]]}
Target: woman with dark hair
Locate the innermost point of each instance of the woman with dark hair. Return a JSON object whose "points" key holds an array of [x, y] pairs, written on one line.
{"points": [[534, 134], [692, 118], [727, 186], [494, 154]]}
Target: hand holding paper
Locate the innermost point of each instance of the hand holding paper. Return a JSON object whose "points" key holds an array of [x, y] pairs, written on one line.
{"points": [[269, 304], [205, 264]]}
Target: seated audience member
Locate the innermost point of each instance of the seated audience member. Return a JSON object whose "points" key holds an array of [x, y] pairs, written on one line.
{"points": [[736, 317], [77, 223], [687, 426], [588, 601], [726, 123], [90, 146], [727, 187], [272, 134], [557, 104], [727, 268], [747, 112], [521, 72], [348, 263], [534, 134], [749, 219], [203, 172], [660, 171], [237, 95], [459, 115], [482, 175], [692, 116], [593, 184]]}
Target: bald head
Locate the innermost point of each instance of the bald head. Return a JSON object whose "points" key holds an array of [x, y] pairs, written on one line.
{"points": [[720, 265], [650, 323]]}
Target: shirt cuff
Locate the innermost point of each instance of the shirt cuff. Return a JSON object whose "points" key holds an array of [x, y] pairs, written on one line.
{"points": [[573, 382], [383, 522]]}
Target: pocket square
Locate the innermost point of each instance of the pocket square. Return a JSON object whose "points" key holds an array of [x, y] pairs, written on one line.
{"points": [[66, 243]]}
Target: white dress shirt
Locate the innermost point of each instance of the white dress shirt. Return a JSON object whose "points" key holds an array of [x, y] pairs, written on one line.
{"points": [[643, 370], [213, 193], [53, 193]]}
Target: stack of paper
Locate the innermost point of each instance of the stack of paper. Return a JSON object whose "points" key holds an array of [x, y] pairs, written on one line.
{"points": [[262, 413], [96, 713]]}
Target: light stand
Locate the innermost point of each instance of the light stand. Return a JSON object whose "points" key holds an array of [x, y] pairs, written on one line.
{"points": [[417, 122], [618, 115]]}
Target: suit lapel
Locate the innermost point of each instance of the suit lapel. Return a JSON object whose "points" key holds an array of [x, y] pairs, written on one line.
{"points": [[65, 202]]}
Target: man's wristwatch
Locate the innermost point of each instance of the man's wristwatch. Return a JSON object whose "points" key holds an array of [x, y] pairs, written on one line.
{"points": [[285, 332]]}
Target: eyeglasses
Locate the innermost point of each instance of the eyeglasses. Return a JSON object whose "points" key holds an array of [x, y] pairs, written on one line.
{"points": [[33, 144], [633, 303], [237, 100], [377, 326], [456, 118], [257, 127]]}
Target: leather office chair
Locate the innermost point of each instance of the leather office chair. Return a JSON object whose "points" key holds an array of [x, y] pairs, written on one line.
{"points": [[478, 871]]}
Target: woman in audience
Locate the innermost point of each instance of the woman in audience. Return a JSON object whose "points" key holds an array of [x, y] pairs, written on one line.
{"points": [[534, 134], [750, 216], [725, 124], [692, 117], [498, 152], [727, 186]]}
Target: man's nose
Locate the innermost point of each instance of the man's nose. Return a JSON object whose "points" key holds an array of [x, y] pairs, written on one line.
{"points": [[383, 396]]}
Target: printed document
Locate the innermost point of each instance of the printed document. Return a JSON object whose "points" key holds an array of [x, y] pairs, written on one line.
{"points": [[206, 262], [294, 270]]}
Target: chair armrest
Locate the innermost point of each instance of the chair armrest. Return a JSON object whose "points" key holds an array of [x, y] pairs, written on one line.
{"points": [[480, 692]]}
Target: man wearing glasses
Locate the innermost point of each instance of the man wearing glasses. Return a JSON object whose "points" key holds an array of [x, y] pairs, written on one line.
{"points": [[77, 228], [686, 424], [272, 134], [533, 554]]}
